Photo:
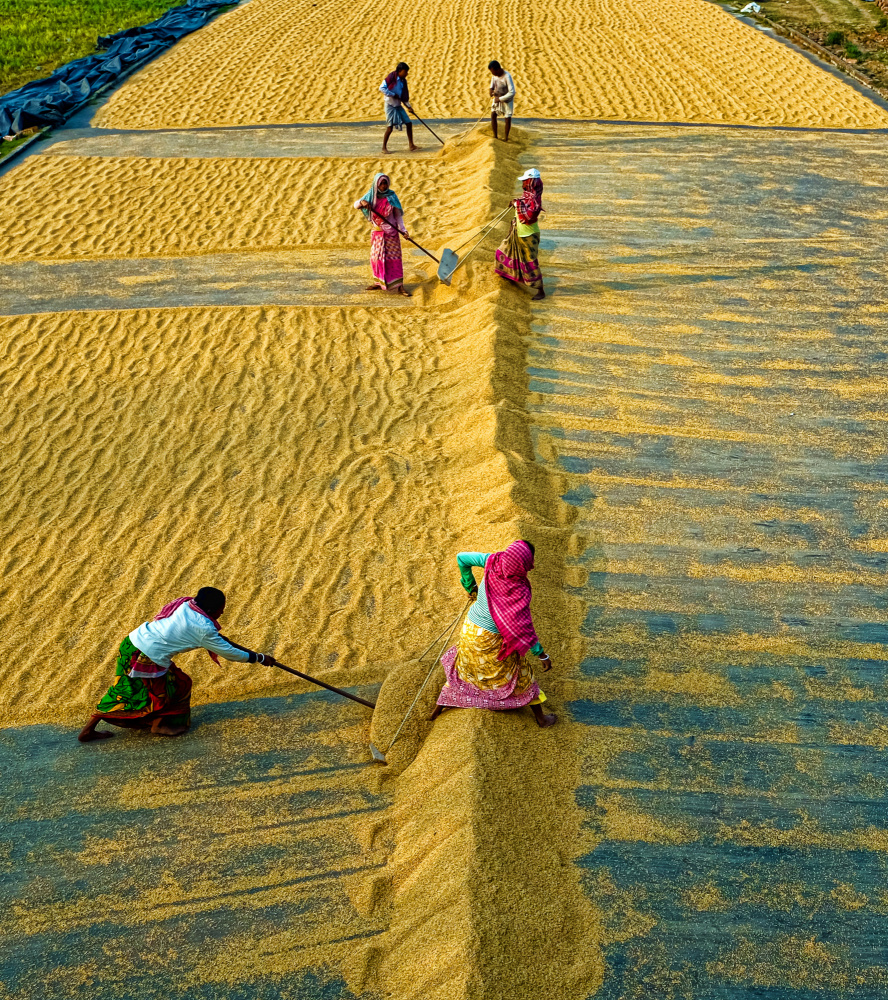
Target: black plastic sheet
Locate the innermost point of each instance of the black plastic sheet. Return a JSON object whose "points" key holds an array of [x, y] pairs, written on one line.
{"points": [[51, 100]]}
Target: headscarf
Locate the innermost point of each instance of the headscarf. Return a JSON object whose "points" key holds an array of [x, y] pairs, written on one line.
{"points": [[168, 610], [530, 204], [508, 597], [374, 194], [392, 81]]}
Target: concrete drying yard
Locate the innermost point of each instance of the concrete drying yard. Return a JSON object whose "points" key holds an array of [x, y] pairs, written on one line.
{"points": [[690, 428]]}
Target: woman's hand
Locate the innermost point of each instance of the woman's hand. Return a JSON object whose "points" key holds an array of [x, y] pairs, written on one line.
{"points": [[546, 662]]}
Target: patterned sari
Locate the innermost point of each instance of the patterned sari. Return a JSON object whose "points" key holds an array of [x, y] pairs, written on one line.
{"points": [[476, 678], [517, 259], [135, 702], [385, 246]]}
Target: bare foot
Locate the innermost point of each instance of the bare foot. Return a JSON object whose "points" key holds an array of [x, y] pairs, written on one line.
{"points": [[159, 729], [373, 288], [385, 152], [413, 149], [87, 735], [438, 710], [543, 719], [539, 295], [403, 291]]}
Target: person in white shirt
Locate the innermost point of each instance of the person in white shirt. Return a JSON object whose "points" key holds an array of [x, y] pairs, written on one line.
{"points": [[149, 690], [502, 90]]}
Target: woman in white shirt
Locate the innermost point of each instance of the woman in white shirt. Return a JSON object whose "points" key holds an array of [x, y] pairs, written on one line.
{"points": [[502, 90], [149, 690]]}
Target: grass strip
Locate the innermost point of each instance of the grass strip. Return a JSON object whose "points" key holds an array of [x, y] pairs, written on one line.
{"points": [[854, 31], [38, 36]]}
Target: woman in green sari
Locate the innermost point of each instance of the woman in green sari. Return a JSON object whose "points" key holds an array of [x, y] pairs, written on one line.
{"points": [[149, 691]]}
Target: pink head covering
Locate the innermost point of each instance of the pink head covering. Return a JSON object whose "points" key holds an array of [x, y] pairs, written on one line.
{"points": [[168, 610], [508, 597]]}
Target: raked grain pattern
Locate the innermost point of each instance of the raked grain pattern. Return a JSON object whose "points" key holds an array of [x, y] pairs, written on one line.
{"points": [[297, 458], [169, 207], [280, 61]]}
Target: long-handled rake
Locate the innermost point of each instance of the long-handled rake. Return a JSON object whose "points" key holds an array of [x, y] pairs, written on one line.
{"points": [[329, 687], [449, 260], [379, 755], [472, 129], [435, 134], [406, 237]]}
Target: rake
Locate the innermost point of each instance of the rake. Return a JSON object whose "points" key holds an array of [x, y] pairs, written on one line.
{"points": [[380, 756], [449, 260]]}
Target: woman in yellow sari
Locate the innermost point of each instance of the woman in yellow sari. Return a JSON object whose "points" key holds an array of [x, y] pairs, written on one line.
{"points": [[489, 666]]}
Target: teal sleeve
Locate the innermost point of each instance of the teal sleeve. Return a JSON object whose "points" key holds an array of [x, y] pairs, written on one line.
{"points": [[465, 561], [537, 650]]}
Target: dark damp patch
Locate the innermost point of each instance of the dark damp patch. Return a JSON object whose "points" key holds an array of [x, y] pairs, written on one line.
{"points": [[596, 666], [579, 496], [736, 766], [874, 632], [229, 814], [678, 914]]}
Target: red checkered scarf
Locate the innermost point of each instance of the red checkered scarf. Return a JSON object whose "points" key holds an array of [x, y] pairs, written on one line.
{"points": [[530, 204], [168, 609], [508, 597]]}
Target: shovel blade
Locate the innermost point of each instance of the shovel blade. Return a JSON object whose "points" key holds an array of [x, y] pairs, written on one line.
{"points": [[378, 755], [449, 260]]}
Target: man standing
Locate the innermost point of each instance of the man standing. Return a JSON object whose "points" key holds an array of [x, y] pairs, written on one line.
{"points": [[397, 97], [502, 90]]}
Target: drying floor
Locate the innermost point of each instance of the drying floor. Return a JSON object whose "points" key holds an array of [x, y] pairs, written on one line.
{"points": [[690, 428]]}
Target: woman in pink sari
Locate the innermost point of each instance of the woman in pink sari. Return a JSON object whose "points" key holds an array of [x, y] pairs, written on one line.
{"points": [[383, 208], [489, 667]]}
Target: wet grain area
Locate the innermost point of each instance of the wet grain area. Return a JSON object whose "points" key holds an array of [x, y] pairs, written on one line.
{"points": [[194, 868], [708, 378]]}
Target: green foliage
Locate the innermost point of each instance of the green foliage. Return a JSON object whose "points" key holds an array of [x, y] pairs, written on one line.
{"points": [[38, 36], [882, 24], [835, 38], [852, 51], [7, 147]]}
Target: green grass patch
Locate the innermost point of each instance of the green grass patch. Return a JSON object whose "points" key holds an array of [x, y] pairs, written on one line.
{"points": [[38, 36], [848, 15], [850, 28], [7, 147]]}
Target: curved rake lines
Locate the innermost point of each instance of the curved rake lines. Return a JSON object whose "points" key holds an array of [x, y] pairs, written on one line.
{"points": [[251, 464], [678, 60]]}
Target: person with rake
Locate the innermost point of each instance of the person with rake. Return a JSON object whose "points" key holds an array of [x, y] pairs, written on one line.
{"points": [[502, 90], [517, 257], [383, 208], [149, 691], [489, 666], [397, 97]]}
